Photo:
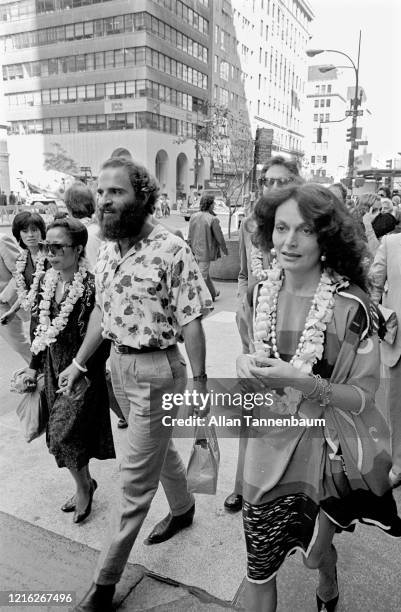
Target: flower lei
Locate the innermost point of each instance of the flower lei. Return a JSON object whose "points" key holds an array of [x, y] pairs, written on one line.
{"points": [[27, 299], [310, 347], [47, 331], [257, 264]]}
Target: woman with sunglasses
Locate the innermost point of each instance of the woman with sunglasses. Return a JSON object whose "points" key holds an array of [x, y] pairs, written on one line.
{"points": [[29, 230], [323, 462], [79, 424]]}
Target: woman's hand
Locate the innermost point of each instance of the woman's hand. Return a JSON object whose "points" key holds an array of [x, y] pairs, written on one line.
{"points": [[68, 379], [29, 379], [274, 373], [248, 381]]}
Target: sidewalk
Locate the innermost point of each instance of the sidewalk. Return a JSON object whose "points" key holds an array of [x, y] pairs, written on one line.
{"points": [[204, 565]]}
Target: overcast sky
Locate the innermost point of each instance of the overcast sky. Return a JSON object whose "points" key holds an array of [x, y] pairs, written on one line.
{"points": [[336, 26]]}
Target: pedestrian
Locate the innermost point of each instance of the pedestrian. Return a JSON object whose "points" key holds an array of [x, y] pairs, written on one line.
{"points": [[150, 295], [384, 192], [317, 354], [11, 330], [29, 230], [80, 203], [385, 277], [79, 424], [206, 240], [277, 172]]}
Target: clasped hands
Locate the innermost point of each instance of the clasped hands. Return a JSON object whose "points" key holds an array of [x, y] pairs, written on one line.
{"points": [[266, 372]]}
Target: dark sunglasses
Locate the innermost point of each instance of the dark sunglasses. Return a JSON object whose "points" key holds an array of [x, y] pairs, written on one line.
{"points": [[55, 249], [280, 182]]}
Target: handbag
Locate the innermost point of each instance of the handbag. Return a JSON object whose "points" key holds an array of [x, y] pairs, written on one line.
{"points": [[32, 412], [204, 462], [390, 324]]}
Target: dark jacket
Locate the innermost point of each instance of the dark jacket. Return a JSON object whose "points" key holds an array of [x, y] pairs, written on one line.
{"points": [[205, 237]]}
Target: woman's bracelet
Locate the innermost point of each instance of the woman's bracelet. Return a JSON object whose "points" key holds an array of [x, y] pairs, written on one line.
{"points": [[80, 367], [312, 393], [323, 390]]}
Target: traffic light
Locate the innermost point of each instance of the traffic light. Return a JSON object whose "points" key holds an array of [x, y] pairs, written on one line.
{"points": [[350, 134], [389, 164], [319, 133]]}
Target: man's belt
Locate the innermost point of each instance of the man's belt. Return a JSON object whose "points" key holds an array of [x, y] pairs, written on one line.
{"points": [[123, 349]]}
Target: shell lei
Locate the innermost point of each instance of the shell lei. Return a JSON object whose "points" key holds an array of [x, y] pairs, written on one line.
{"points": [[311, 344], [257, 264], [27, 299], [47, 330]]}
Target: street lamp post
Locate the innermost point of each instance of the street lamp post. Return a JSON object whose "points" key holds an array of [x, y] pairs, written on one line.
{"points": [[355, 104]]}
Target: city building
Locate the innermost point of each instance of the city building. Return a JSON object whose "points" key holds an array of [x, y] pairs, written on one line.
{"points": [[84, 77], [329, 96], [4, 169], [259, 69]]}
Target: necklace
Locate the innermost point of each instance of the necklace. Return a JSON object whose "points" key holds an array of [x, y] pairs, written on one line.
{"points": [[27, 299], [257, 264], [47, 330], [311, 344]]}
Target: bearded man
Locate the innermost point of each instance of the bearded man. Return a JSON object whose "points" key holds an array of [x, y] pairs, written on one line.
{"points": [[150, 295]]}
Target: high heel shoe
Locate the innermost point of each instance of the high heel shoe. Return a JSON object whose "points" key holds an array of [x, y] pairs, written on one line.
{"points": [[81, 516], [69, 505], [328, 606]]}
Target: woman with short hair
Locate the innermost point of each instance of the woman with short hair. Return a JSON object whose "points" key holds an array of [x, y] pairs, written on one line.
{"points": [[79, 425], [316, 353]]}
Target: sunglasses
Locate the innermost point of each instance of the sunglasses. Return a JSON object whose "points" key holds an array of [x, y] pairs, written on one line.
{"points": [[55, 249], [279, 182]]}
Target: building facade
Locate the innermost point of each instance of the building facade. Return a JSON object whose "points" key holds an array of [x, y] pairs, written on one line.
{"points": [[329, 96], [259, 66], [86, 77]]}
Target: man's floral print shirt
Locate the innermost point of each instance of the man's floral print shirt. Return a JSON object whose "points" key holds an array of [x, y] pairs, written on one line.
{"points": [[148, 295]]}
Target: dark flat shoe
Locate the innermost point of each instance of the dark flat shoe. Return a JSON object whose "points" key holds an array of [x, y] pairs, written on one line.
{"points": [[233, 502], [69, 505], [99, 598], [169, 526]]}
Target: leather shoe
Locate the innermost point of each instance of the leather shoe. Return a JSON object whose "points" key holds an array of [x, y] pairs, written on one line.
{"points": [[169, 526], [233, 502], [69, 505], [99, 598], [81, 516]]}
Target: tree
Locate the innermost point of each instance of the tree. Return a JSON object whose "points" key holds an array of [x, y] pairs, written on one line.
{"points": [[60, 160], [226, 138]]}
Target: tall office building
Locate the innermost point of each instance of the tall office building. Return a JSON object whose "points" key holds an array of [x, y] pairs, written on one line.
{"points": [[329, 96], [83, 77], [259, 68]]}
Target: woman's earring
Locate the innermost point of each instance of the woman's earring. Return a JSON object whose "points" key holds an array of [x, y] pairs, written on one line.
{"points": [[323, 258]]}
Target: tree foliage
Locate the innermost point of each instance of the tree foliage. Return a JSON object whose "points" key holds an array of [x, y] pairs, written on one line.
{"points": [[58, 159]]}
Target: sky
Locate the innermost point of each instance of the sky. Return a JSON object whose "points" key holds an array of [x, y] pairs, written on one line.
{"points": [[336, 26]]}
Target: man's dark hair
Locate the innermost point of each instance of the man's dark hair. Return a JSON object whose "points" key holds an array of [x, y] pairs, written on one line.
{"points": [[387, 191], [279, 160], [79, 201], [383, 224], [206, 202], [145, 186]]}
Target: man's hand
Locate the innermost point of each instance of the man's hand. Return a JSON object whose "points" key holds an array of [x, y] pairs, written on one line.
{"points": [[7, 317], [68, 379]]}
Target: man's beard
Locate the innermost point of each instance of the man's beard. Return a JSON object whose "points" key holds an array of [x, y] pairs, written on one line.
{"points": [[128, 223]]}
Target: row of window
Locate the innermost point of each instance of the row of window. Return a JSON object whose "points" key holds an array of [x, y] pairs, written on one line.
{"points": [[321, 117], [322, 89], [118, 58], [226, 70], [96, 123], [118, 24], [14, 11], [318, 159], [101, 91], [187, 14], [322, 102]]}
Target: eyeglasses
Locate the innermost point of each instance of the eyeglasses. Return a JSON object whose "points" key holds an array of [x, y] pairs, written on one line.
{"points": [[55, 249], [279, 182]]}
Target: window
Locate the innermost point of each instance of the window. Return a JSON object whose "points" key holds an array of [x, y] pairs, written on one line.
{"points": [[313, 159], [324, 159], [322, 102], [328, 88], [316, 103], [224, 69], [327, 117], [315, 117], [328, 101], [323, 89]]}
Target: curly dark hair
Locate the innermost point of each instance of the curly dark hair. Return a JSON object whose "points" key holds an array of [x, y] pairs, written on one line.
{"points": [[23, 221], [337, 235], [79, 201], [206, 202], [145, 186]]}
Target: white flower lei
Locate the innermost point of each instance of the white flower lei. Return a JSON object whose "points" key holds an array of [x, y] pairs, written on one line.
{"points": [[310, 347], [27, 299], [257, 264], [47, 331]]}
